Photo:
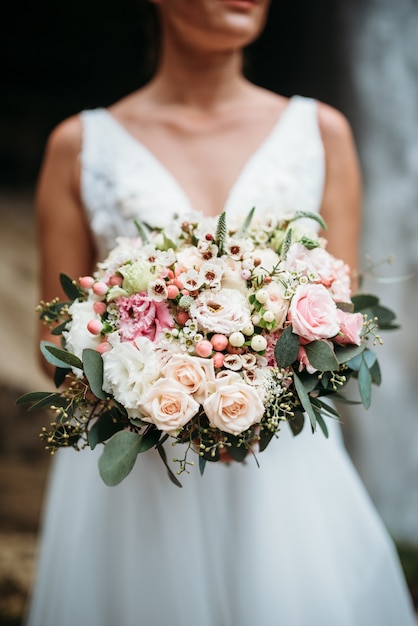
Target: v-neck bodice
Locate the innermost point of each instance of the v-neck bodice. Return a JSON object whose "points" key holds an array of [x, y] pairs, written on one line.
{"points": [[122, 180]]}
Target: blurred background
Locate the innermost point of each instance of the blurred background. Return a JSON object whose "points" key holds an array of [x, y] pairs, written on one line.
{"points": [[360, 57]]}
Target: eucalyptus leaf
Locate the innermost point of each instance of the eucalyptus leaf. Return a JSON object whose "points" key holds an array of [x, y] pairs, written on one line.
{"points": [[60, 375], [321, 356], [93, 369], [119, 456], [305, 400], [36, 397], [310, 381], [237, 452], [59, 357], [170, 472], [375, 373], [150, 439], [104, 428], [365, 384], [71, 288], [355, 362], [287, 348], [265, 437], [344, 354], [202, 465], [348, 307], [363, 301], [58, 329], [322, 424], [297, 422], [370, 357]]}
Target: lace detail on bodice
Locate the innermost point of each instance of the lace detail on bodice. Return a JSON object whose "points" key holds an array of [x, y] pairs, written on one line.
{"points": [[121, 180]]}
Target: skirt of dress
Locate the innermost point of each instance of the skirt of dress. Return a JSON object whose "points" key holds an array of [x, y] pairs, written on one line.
{"points": [[296, 542]]}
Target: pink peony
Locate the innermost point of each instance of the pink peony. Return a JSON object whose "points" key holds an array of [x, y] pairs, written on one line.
{"points": [[313, 313], [141, 316], [351, 325]]}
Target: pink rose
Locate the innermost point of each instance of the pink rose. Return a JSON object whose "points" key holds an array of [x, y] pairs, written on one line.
{"points": [[304, 362], [313, 313], [351, 325], [141, 316]]}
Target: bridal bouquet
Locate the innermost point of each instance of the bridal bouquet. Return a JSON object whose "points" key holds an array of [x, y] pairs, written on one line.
{"points": [[208, 334]]}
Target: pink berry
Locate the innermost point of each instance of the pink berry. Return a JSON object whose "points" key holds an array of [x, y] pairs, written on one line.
{"points": [[99, 308], [103, 347], [172, 292], [94, 327], [219, 342], [182, 317], [100, 288], [204, 348], [115, 280], [178, 283], [218, 359], [86, 282]]}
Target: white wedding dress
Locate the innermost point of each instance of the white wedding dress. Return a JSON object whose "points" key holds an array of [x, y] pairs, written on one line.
{"points": [[295, 542]]}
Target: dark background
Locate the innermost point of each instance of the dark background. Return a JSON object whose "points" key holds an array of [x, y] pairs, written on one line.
{"points": [[59, 58]]}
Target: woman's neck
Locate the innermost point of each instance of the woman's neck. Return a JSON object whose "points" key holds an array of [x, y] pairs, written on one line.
{"points": [[199, 81]]}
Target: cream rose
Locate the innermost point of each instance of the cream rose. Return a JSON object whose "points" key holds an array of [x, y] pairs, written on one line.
{"points": [[313, 313], [168, 406], [225, 311], [232, 276], [193, 373], [276, 302], [234, 407]]}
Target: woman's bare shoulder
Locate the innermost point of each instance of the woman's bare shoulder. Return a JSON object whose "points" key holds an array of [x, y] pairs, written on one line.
{"points": [[65, 139], [334, 126]]}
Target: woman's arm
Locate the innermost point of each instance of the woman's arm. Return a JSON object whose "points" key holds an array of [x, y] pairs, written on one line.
{"points": [[65, 243], [342, 195]]}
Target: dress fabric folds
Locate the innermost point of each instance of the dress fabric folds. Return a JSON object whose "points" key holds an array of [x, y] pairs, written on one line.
{"points": [[294, 542]]}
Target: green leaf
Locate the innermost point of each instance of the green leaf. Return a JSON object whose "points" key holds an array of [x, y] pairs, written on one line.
{"points": [[202, 465], [310, 381], [142, 231], [150, 438], [370, 357], [313, 216], [93, 369], [170, 472], [287, 348], [287, 241], [322, 424], [355, 362], [265, 438], [241, 232], [59, 357], [119, 456], [363, 300], [385, 316], [365, 384], [237, 452], [104, 428], [305, 400], [348, 307], [60, 375], [344, 354], [221, 232], [41, 399], [71, 289], [58, 329], [297, 422], [375, 373], [321, 356]]}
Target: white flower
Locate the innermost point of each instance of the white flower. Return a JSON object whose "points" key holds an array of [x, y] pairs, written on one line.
{"points": [[168, 406], [210, 274], [77, 337], [234, 407], [223, 312], [193, 373], [191, 280], [130, 369], [233, 362], [232, 276]]}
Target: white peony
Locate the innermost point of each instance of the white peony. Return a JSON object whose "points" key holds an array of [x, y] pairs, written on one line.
{"points": [[129, 370], [225, 311]]}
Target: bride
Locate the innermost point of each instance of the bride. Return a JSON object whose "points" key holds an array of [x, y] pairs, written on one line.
{"points": [[296, 542]]}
